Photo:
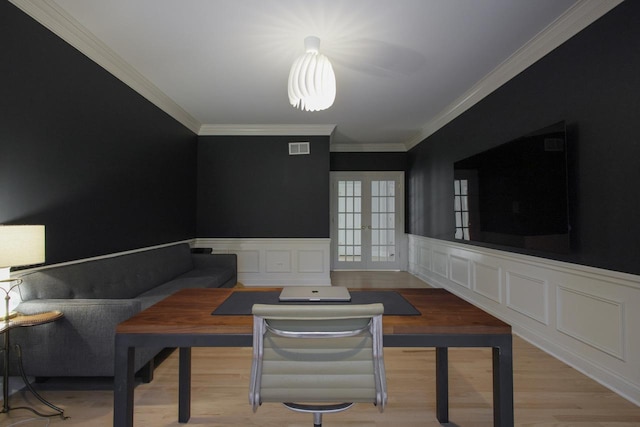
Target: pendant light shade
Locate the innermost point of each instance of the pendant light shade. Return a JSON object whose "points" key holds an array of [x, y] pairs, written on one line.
{"points": [[312, 83]]}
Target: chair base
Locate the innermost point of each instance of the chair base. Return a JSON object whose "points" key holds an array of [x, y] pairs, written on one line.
{"points": [[318, 410]]}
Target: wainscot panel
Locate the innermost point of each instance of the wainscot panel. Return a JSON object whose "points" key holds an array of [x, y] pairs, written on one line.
{"points": [[528, 296], [276, 262], [460, 273], [487, 281], [584, 316]]}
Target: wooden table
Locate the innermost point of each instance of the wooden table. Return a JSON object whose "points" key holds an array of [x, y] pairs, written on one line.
{"points": [[184, 320]]}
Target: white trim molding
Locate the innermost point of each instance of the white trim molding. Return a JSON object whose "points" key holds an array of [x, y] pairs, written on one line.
{"points": [[368, 148], [95, 258], [586, 317], [276, 262], [267, 130], [574, 20], [53, 17]]}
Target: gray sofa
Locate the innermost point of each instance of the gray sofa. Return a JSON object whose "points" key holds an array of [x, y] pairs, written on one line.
{"points": [[97, 295]]}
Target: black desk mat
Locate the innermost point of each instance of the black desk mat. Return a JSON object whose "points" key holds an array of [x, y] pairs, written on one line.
{"points": [[240, 303]]}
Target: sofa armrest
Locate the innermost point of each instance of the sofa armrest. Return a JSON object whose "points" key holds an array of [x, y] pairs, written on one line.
{"points": [[79, 344], [215, 260]]}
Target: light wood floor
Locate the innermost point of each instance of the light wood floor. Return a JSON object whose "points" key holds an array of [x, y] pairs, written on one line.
{"points": [[547, 392], [376, 279]]}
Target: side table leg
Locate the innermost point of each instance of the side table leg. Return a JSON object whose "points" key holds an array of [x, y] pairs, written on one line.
{"points": [[59, 411], [442, 384], [5, 378]]}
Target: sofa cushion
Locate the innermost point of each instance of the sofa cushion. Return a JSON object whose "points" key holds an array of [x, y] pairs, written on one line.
{"points": [[124, 276]]}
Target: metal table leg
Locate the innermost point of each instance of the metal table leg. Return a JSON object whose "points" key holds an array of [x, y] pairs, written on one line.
{"points": [[123, 385], [184, 386], [503, 384], [59, 411], [5, 378], [5, 383], [442, 384]]}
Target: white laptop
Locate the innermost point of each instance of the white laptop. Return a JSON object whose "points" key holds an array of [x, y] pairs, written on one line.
{"points": [[315, 293]]}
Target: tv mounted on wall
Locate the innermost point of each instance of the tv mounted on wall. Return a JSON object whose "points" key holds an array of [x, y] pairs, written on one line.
{"points": [[516, 194]]}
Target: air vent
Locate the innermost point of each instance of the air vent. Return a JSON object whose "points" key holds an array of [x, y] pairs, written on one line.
{"points": [[297, 148]]}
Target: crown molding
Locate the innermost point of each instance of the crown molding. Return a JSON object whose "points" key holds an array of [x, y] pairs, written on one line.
{"points": [[50, 15], [367, 148], [574, 20], [266, 130]]}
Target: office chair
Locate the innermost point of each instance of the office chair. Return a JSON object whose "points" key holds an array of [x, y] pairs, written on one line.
{"points": [[317, 358]]}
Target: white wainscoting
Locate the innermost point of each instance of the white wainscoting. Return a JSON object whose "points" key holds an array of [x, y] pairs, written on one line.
{"points": [[276, 262], [584, 316]]}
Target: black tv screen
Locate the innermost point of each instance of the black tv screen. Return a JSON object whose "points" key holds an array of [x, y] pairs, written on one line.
{"points": [[516, 194]]}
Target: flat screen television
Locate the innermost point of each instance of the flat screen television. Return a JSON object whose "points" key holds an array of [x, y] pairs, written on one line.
{"points": [[516, 194]]}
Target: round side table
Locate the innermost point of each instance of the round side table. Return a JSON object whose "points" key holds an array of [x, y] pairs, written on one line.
{"points": [[21, 321]]}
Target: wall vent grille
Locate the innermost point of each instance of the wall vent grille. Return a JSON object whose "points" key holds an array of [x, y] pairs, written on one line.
{"points": [[298, 148]]}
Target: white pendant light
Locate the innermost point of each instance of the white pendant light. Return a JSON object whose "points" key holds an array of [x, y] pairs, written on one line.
{"points": [[312, 83]]}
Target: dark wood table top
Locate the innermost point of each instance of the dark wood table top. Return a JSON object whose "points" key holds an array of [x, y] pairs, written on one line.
{"points": [[189, 312]]}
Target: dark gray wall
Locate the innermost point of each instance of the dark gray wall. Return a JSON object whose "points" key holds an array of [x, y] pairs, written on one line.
{"points": [[80, 152], [593, 83], [252, 187], [382, 161], [106, 171]]}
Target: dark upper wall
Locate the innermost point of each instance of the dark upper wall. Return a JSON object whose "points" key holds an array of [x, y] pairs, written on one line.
{"points": [[379, 161], [252, 187], [593, 83], [80, 152]]}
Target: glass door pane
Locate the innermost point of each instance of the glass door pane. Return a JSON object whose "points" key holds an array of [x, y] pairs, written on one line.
{"points": [[383, 203], [366, 220], [349, 221]]}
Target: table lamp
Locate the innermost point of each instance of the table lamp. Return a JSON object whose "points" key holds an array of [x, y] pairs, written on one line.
{"points": [[19, 245]]}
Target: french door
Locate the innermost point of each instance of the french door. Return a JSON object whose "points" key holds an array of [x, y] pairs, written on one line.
{"points": [[367, 220]]}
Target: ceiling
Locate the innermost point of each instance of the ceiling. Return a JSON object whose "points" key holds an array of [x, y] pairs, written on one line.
{"points": [[404, 68]]}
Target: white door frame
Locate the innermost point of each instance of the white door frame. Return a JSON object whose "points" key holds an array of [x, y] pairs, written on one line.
{"points": [[401, 262]]}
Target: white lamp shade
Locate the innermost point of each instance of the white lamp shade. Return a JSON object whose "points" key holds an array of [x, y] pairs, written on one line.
{"points": [[312, 82], [21, 245]]}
